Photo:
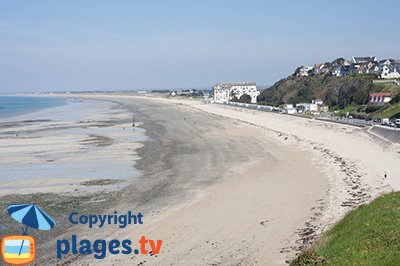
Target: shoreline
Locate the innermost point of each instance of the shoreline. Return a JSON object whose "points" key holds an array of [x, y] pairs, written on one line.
{"points": [[21, 116], [46, 143], [336, 175], [354, 175], [278, 253]]}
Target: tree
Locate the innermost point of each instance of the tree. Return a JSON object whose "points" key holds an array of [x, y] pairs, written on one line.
{"points": [[395, 99], [297, 71], [234, 99], [304, 94], [340, 61], [245, 98]]}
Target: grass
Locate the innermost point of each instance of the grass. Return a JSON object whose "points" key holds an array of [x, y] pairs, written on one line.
{"points": [[387, 112], [347, 109], [386, 87], [368, 235]]}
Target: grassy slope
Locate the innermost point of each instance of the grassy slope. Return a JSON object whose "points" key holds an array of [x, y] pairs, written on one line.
{"points": [[388, 112], [369, 235], [326, 87], [337, 92], [348, 109]]}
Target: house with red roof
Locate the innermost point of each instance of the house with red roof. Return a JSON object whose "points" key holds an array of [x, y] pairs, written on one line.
{"points": [[379, 98]]}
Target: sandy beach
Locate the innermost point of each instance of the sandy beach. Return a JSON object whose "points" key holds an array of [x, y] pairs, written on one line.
{"points": [[199, 133], [228, 186], [64, 146], [340, 167], [236, 184]]}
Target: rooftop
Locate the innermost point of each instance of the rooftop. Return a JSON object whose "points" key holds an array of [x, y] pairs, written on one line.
{"points": [[380, 94], [363, 59], [228, 85]]}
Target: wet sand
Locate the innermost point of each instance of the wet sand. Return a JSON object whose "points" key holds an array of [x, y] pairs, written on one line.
{"points": [[348, 163], [56, 149], [214, 190], [227, 186]]}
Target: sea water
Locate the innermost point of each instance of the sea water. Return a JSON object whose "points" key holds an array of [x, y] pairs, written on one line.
{"points": [[58, 145], [19, 105]]}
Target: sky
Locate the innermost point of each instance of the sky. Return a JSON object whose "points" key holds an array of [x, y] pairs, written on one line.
{"points": [[148, 44]]}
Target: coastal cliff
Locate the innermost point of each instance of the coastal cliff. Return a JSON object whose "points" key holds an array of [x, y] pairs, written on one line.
{"points": [[345, 94], [334, 91]]}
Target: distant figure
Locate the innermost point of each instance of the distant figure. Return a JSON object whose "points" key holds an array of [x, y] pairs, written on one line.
{"points": [[385, 175], [184, 118], [133, 122]]}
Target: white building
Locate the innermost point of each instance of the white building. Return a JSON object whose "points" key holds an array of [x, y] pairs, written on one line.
{"points": [[364, 59], [317, 101], [307, 107], [289, 109], [304, 71], [379, 98], [224, 92], [390, 72]]}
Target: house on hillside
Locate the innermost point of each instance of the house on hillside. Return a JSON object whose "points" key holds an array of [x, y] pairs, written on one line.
{"points": [[338, 71], [341, 71], [304, 71], [320, 69], [374, 69], [386, 62], [362, 69], [390, 71], [361, 65], [363, 60], [224, 92], [379, 98], [346, 63]]}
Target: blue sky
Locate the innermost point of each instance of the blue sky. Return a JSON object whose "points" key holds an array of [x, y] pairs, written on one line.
{"points": [[123, 45]]}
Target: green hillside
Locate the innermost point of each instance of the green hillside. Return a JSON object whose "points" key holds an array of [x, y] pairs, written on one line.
{"points": [[391, 111], [348, 94], [334, 91], [368, 235]]}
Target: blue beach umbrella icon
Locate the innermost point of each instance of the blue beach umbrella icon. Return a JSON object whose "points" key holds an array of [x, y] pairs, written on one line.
{"points": [[32, 216]]}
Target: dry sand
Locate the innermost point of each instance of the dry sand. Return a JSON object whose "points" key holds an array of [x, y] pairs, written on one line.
{"points": [[250, 217], [230, 186], [264, 211]]}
